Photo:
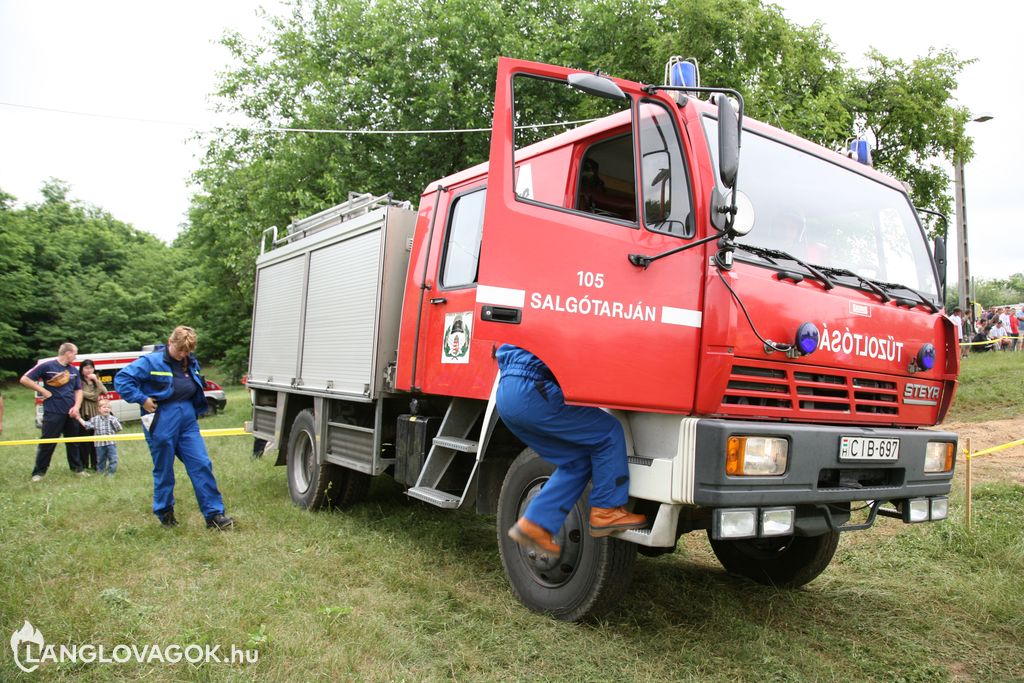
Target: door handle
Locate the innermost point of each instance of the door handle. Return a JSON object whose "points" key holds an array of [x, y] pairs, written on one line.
{"points": [[438, 300], [501, 314]]}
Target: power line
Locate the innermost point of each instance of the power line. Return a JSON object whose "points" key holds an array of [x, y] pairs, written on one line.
{"points": [[97, 116], [277, 129]]}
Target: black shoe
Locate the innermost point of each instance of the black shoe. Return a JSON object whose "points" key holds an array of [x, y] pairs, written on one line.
{"points": [[219, 521], [167, 519]]}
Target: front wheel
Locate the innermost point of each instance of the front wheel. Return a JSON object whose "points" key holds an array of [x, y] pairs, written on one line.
{"points": [[313, 484], [588, 577], [785, 562]]}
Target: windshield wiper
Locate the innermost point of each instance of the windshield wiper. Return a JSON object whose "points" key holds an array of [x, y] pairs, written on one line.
{"points": [[910, 303], [772, 254], [869, 284]]}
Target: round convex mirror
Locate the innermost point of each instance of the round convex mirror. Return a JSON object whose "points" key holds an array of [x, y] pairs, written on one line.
{"points": [[743, 221]]}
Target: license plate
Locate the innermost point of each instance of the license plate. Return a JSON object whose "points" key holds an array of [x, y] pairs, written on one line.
{"points": [[867, 448]]}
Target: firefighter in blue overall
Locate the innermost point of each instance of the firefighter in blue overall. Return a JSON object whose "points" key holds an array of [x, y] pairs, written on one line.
{"points": [[583, 443], [167, 384]]}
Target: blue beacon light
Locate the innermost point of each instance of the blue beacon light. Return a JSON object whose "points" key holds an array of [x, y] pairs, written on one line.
{"points": [[926, 357], [807, 338], [683, 74], [860, 151]]}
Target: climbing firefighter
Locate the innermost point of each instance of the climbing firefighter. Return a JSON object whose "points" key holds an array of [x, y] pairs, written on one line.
{"points": [[581, 442]]}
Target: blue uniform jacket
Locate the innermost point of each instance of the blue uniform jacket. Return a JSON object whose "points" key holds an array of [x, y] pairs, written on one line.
{"points": [[151, 376], [516, 362]]}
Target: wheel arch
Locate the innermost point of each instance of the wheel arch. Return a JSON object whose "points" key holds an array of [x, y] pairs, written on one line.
{"points": [[288, 408], [498, 448]]}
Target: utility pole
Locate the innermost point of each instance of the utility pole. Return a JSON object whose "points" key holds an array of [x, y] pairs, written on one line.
{"points": [[964, 272]]}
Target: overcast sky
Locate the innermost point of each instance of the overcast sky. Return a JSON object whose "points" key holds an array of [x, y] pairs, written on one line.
{"points": [[158, 62]]}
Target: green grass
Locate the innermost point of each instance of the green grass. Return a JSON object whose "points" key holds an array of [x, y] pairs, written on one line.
{"points": [[397, 590], [990, 387]]}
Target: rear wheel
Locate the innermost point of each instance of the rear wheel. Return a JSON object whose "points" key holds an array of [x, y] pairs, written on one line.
{"points": [[785, 562], [587, 578], [313, 484]]}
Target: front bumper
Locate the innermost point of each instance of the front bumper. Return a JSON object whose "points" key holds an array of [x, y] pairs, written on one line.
{"points": [[815, 473], [695, 472]]}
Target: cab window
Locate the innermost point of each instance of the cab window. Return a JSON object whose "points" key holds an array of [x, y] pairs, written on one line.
{"points": [[666, 196], [607, 186], [593, 174], [462, 239]]}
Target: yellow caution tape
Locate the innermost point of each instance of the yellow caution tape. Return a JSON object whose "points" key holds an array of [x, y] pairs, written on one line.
{"points": [[230, 431], [992, 341], [994, 449]]}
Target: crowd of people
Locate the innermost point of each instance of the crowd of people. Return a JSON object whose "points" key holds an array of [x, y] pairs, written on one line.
{"points": [[167, 386], [995, 329]]}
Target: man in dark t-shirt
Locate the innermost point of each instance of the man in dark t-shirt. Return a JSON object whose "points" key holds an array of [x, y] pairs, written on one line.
{"points": [[57, 381]]}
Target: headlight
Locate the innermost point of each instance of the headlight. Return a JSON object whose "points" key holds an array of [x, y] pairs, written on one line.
{"points": [[939, 457], [916, 510], [940, 508], [756, 456], [734, 523], [777, 521]]}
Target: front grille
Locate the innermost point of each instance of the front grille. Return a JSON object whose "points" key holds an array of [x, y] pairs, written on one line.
{"points": [[852, 478], [780, 388]]}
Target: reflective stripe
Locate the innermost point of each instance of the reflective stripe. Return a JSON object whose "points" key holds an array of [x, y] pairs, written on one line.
{"points": [[680, 316], [161, 373], [500, 296]]}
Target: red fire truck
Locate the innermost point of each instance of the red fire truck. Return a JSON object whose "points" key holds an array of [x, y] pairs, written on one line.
{"points": [[770, 340]]}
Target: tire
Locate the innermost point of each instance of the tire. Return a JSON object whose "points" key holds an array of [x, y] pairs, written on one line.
{"points": [[316, 485], [211, 407], [785, 562], [590, 575]]}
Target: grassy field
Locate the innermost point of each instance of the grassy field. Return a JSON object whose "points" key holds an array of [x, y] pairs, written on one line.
{"points": [[397, 590], [991, 387]]}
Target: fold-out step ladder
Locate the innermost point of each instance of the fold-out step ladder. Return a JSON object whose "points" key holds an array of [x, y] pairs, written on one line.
{"points": [[450, 443]]}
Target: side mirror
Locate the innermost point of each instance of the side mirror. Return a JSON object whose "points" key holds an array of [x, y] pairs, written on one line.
{"points": [[939, 249], [940, 264], [728, 142], [592, 84]]}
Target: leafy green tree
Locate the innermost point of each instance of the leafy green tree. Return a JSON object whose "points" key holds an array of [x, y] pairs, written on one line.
{"points": [[71, 272], [430, 65], [909, 112], [1000, 291], [16, 254]]}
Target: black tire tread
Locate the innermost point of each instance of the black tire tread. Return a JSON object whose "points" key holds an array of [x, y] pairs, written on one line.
{"points": [[346, 487], [802, 561], [615, 560]]}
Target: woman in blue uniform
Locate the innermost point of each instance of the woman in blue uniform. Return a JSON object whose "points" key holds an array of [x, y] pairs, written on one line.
{"points": [[168, 386]]}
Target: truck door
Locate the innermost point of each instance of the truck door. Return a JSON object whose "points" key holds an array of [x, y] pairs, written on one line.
{"points": [[562, 216], [451, 360]]}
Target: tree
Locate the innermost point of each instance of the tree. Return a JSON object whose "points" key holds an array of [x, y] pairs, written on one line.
{"points": [[72, 272], [430, 65], [908, 111], [15, 280]]}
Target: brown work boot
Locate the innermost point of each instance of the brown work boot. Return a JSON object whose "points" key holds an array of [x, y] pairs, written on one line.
{"points": [[604, 521], [533, 537]]}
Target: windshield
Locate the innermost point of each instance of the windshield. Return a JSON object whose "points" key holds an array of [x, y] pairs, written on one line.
{"points": [[829, 216]]}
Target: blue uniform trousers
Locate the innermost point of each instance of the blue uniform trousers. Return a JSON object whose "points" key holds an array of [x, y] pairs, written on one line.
{"points": [[175, 431], [582, 443]]}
